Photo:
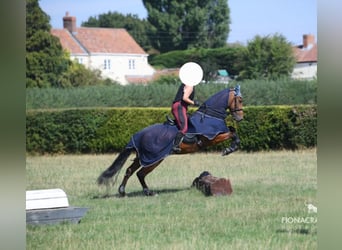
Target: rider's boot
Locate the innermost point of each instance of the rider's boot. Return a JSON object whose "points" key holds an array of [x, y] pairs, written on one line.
{"points": [[178, 140]]}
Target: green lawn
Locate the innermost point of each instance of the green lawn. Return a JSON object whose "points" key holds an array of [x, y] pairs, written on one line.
{"points": [[267, 209]]}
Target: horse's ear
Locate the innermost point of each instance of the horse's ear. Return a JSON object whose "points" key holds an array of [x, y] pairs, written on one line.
{"points": [[237, 90]]}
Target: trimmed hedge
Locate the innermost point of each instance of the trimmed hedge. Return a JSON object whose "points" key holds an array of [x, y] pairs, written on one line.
{"points": [[109, 129], [278, 127]]}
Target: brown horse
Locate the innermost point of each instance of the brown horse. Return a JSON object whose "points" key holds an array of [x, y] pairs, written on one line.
{"points": [[207, 127]]}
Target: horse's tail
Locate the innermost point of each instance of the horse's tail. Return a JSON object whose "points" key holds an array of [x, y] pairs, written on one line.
{"points": [[106, 177]]}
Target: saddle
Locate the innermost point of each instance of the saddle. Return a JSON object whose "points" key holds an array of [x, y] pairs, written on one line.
{"points": [[188, 138], [170, 121]]}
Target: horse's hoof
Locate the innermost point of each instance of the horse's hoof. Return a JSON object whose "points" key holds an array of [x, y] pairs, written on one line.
{"points": [[148, 192], [121, 191]]}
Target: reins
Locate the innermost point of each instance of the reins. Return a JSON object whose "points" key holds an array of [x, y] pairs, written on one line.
{"points": [[235, 105]]}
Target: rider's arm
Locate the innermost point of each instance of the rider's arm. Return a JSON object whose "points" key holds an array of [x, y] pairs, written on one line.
{"points": [[187, 92]]}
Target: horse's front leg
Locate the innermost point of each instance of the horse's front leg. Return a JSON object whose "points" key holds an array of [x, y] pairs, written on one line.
{"points": [[130, 170], [141, 176], [233, 146]]}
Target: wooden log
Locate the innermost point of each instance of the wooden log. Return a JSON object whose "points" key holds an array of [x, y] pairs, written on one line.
{"points": [[211, 185]]}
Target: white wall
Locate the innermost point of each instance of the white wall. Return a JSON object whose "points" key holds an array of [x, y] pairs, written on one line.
{"points": [[82, 59], [116, 67], [305, 71]]}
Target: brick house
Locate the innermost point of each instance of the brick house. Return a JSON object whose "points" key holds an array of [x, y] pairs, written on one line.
{"points": [[111, 50], [306, 57]]}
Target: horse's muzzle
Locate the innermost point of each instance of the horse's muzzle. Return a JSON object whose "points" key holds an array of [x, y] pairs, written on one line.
{"points": [[237, 118]]}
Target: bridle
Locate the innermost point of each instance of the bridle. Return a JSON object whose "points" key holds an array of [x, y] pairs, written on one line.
{"points": [[233, 97], [234, 101], [235, 109]]}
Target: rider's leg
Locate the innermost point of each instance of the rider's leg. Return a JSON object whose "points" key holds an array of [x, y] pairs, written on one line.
{"points": [[178, 140], [179, 111]]}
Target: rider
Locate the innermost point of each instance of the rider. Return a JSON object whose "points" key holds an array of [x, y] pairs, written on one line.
{"points": [[184, 97]]}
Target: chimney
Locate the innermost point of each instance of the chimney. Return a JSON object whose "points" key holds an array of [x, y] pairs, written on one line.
{"points": [[69, 23], [308, 40]]}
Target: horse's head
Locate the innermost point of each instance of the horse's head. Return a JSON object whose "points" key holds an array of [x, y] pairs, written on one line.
{"points": [[235, 104]]}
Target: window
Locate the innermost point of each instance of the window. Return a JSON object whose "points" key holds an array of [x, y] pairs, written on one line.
{"points": [[106, 64], [131, 64]]}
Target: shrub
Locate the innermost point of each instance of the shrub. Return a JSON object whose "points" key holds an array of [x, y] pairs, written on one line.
{"points": [[161, 94], [106, 130]]}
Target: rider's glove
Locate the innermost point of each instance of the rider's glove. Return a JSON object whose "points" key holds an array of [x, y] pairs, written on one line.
{"points": [[197, 103]]}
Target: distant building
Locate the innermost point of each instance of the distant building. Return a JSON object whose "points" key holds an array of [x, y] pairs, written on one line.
{"points": [[306, 57], [111, 50], [219, 76]]}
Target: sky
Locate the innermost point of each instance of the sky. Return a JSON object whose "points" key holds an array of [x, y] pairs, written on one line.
{"points": [[290, 18]]}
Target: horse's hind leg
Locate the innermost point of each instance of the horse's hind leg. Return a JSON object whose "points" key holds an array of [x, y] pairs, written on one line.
{"points": [[129, 171], [141, 176]]}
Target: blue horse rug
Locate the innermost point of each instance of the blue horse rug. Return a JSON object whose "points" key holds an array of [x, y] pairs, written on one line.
{"points": [[155, 142]]}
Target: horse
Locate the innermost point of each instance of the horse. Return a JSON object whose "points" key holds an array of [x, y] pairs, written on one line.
{"points": [[207, 127]]}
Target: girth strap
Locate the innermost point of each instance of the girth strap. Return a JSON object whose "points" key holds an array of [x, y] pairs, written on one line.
{"points": [[190, 139]]}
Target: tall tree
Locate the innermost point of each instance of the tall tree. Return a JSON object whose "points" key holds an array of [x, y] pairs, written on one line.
{"points": [[268, 57], [218, 23], [45, 59], [137, 28], [179, 24]]}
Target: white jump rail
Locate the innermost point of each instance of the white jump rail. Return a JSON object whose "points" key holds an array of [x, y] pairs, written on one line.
{"points": [[51, 206], [46, 198]]}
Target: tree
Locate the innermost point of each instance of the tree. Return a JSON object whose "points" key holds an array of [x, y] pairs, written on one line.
{"points": [[180, 25], [218, 23], [268, 57], [45, 59], [137, 28], [78, 76]]}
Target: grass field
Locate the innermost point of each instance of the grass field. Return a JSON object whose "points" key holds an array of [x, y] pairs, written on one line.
{"points": [[266, 210]]}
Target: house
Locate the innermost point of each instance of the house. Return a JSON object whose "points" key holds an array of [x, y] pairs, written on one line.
{"points": [[306, 57], [221, 76], [111, 50]]}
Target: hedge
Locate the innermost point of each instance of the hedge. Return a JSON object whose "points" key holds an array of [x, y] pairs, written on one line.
{"points": [[162, 92], [105, 130]]}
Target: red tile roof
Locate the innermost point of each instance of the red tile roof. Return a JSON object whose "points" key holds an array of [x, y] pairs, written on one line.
{"points": [[67, 41], [141, 80], [98, 40], [308, 54]]}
